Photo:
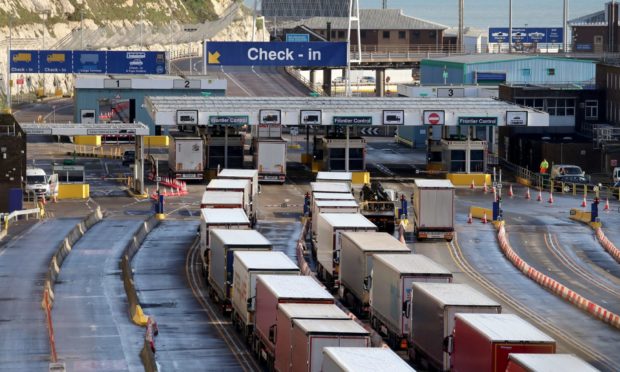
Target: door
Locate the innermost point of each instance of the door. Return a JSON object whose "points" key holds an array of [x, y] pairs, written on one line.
{"points": [[598, 44]]}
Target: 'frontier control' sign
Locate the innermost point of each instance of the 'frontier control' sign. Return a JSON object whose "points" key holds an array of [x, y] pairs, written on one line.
{"points": [[477, 120], [229, 120], [304, 54], [352, 120]]}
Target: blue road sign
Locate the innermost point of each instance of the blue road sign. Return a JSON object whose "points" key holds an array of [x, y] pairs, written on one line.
{"points": [[136, 62], [55, 61], [539, 35], [297, 38], [89, 61], [24, 61], [311, 54]]}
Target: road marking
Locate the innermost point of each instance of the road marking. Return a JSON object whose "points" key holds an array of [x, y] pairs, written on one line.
{"points": [[235, 81]]}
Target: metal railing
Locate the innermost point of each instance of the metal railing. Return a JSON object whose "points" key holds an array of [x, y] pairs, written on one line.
{"points": [[302, 79]]}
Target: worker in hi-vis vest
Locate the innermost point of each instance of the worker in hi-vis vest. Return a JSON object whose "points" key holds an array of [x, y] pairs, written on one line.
{"points": [[544, 166]]}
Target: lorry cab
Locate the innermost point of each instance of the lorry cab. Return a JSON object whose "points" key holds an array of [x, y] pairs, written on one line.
{"points": [[37, 182]]}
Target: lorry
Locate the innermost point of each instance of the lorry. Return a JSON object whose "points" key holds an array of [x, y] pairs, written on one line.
{"points": [[222, 199], [186, 157], [310, 336], [273, 290], [270, 159], [340, 177], [329, 196], [356, 262], [547, 362], [432, 308], [333, 206], [330, 187], [284, 326], [246, 267], [433, 209], [327, 243], [223, 244], [390, 287], [212, 218], [238, 185], [39, 184], [244, 174], [491, 338], [362, 359], [378, 206]]}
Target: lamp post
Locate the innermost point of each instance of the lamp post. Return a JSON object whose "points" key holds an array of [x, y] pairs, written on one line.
{"points": [[8, 65], [82, 28]]}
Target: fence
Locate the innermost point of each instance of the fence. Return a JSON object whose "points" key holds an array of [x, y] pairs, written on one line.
{"points": [[297, 75]]}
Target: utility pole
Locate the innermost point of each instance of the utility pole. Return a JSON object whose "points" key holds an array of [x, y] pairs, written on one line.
{"points": [[565, 23], [82, 29], [461, 25], [509, 26], [384, 4], [8, 64]]}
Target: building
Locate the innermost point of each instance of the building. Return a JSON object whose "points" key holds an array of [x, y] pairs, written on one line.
{"points": [[608, 79], [12, 163], [571, 107], [494, 69], [381, 29], [597, 32], [100, 99], [474, 40]]}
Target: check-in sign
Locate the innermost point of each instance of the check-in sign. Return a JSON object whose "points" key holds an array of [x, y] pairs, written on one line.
{"points": [[434, 117]]}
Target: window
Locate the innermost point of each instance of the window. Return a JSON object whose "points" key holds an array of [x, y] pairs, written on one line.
{"points": [[363, 34], [341, 34], [561, 106], [432, 34], [402, 34], [537, 103], [591, 109], [415, 34], [551, 72], [386, 34], [526, 72], [333, 34]]}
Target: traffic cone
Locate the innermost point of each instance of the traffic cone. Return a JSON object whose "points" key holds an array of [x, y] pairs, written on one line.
{"points": [[527, 194], [484, 217], [473, 185], [469, 218], [584, 203], [550, 201], [606, 208], [485, 188], [539, 197], [510, 193]]}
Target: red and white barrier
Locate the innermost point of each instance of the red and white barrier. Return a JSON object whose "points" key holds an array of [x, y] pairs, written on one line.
{"points": [[559, 289], [607, 244]]}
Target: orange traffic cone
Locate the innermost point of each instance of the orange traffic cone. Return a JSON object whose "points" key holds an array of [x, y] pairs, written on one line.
{"points": [[583, 202], [510, 193], [527, 194], [484, 217], [606, 208], [473, 185], [539, 197], [469, 218], [485, 188], [550, 201]]}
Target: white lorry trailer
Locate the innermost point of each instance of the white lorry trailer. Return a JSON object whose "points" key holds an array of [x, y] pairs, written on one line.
{"points": [[433, 209], [186, 157], [246, 267], [432, 308], [244, 174], [344, 177], [356, 262], [216, 218], [362, 359], [224, 243], [270, 159], [327, 243], [390, 288]]}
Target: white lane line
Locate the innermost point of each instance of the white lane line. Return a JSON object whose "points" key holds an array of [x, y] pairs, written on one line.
{"points": [[235, 82]]}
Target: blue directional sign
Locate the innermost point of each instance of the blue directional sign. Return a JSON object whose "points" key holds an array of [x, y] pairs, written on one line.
{"points": [[311, 54], [540, 35], [89, 61], [136, 62], [55, 61], [297, 38], [24, 61]]}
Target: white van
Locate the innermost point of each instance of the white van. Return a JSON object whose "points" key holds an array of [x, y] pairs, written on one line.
{"points": [[39, 183]]}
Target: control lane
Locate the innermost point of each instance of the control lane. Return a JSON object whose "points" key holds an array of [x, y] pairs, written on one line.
{"points": [[24, 260], [93, 330]]}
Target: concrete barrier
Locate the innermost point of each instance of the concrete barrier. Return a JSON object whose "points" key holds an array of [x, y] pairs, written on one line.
{"points": [[360, 178], [607, 244], [156, 141], [147, 355], [87, 140], [465, 179], [478, 212], [73, 191], [135, 310], [555, 287]]}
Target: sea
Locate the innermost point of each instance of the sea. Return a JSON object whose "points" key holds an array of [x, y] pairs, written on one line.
{"points": [[492, 13]]}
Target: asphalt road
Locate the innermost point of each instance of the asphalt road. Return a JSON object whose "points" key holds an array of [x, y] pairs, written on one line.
{"points": [[58, 109], [93, 329], [24, 259], [187, 340]]}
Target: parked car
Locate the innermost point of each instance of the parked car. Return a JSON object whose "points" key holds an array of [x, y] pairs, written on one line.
{"points": [[339, 80], [367, 80], [565, 170], [129, 157], [565, 183]]}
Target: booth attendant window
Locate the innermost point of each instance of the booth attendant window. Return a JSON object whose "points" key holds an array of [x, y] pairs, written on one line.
{"points": [[457, 161]]}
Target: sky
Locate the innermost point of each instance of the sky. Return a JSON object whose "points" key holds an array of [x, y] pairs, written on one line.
{"points": [[492, 13]]}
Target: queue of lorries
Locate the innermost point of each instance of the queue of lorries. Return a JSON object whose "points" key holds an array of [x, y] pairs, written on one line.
{"points": [[293, 323]]}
